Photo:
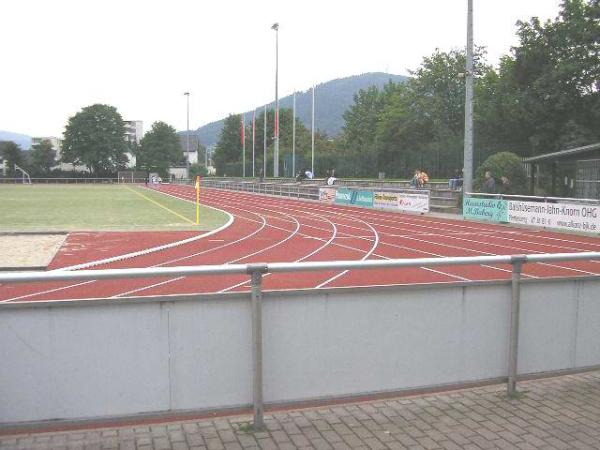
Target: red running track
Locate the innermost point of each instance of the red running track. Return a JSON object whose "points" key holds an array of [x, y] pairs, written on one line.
{"points": [[275, 229]]}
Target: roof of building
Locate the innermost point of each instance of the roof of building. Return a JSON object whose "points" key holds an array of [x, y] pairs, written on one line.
{"points": [[563, 153]]}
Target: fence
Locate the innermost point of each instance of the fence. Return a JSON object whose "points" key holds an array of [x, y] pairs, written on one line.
{"points": [[83, 359], [68, 180], [291, 189]]}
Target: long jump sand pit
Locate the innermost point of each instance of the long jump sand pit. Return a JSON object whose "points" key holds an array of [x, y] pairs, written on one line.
{"points": [[28, 251]]}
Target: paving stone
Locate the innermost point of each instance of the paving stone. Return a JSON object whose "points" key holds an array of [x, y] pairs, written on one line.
{"points": [[555, 413]]}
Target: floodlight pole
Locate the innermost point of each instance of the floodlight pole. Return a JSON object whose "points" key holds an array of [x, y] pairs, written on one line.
{"points": [[187, 145], [468, 148], [312, 146], [265, 144], [294, 135], [276, 128]]}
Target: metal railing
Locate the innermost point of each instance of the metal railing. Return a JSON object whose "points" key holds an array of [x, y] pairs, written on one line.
{"points": [[306, 190], [256, 272], [60, 180]]}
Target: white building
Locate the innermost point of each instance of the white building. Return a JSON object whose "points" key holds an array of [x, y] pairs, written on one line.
{"points": [[57, 147], [134, 129]]}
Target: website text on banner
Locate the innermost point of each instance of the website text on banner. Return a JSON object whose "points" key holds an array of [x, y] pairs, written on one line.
{"points": [[562, 216], [396, 201]]}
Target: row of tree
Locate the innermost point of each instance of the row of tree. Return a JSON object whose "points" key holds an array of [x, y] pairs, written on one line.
{"points": [[543, 97], [96, 137]]}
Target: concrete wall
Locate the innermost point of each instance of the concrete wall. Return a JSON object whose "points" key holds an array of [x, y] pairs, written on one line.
{"points": [[109, 358]]}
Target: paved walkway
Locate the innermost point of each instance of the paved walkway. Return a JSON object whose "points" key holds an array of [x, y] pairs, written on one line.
{"points": [[554, 413]]}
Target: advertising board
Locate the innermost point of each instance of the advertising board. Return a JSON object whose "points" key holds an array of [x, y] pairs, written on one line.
{"points": [[562, 216], [487, 209]]}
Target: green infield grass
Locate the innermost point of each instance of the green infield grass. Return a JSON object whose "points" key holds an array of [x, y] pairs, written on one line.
{"points": [[99, 207]]}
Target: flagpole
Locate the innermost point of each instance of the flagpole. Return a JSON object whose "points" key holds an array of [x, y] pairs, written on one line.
{"points": [[276, 128], [312, 166], [253, 139], [265, 144], [243, 145], [198, 200], [294, 135]]}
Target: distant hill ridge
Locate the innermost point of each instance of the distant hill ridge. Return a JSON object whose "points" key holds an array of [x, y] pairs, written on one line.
{"points": [[22, 140], [332, 99]]}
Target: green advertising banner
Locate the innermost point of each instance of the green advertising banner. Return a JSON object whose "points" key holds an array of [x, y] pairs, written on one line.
{"points": [[363, 198], [488, 209], [343, 196]]}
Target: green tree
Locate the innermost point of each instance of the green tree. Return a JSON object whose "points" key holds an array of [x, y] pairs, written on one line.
{"points": [[422, 124], [229, 147], [95, 136], [43, 157], [198, 170], [549, 85], [159, 149], [503, 164], [11, 153]]}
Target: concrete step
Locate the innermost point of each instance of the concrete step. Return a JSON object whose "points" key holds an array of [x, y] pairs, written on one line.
{"points": [[441, 201], [444, 209]]}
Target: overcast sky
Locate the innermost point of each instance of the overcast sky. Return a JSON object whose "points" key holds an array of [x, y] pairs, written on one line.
{"points": [[141, 56]]}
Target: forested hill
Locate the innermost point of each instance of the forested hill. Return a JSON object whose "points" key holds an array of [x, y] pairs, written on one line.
{"points": [[332, 99]]}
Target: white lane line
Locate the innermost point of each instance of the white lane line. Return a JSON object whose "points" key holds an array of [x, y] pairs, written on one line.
{"points": [[333, 236], [152, 249], [133, 291], [350, 217], [125, 256], [270, 246], [220, 247], [264, 224], [49, 291], [375, 243]]}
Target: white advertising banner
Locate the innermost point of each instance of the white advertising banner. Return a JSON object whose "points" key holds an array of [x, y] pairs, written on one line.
{"points": [[563, 216], [401, 201], [385, 200]]}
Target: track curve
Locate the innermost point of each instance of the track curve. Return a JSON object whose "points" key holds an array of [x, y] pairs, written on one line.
{"points": [[275, 229]]}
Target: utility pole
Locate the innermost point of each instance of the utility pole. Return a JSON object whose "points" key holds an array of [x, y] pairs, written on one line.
{"points": [[265, 144], [243, 145], [468, 149], [276, 129], [253, 140]]}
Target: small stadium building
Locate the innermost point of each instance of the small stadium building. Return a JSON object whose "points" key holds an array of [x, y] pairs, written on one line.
{"points": [[574, 173]]}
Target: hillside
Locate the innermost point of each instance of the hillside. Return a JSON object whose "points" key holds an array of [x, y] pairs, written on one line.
{"points": [[332, 99], [21, 140]]}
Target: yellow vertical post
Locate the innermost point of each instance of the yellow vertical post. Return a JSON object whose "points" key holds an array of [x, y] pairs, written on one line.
{"points": [[198, 200]]}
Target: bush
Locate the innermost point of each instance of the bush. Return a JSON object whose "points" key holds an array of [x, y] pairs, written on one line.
{"points": [[503, 164]]}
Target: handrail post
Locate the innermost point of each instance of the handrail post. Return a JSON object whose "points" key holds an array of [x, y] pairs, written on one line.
{"points": [[515, 305], [256, 271]]}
